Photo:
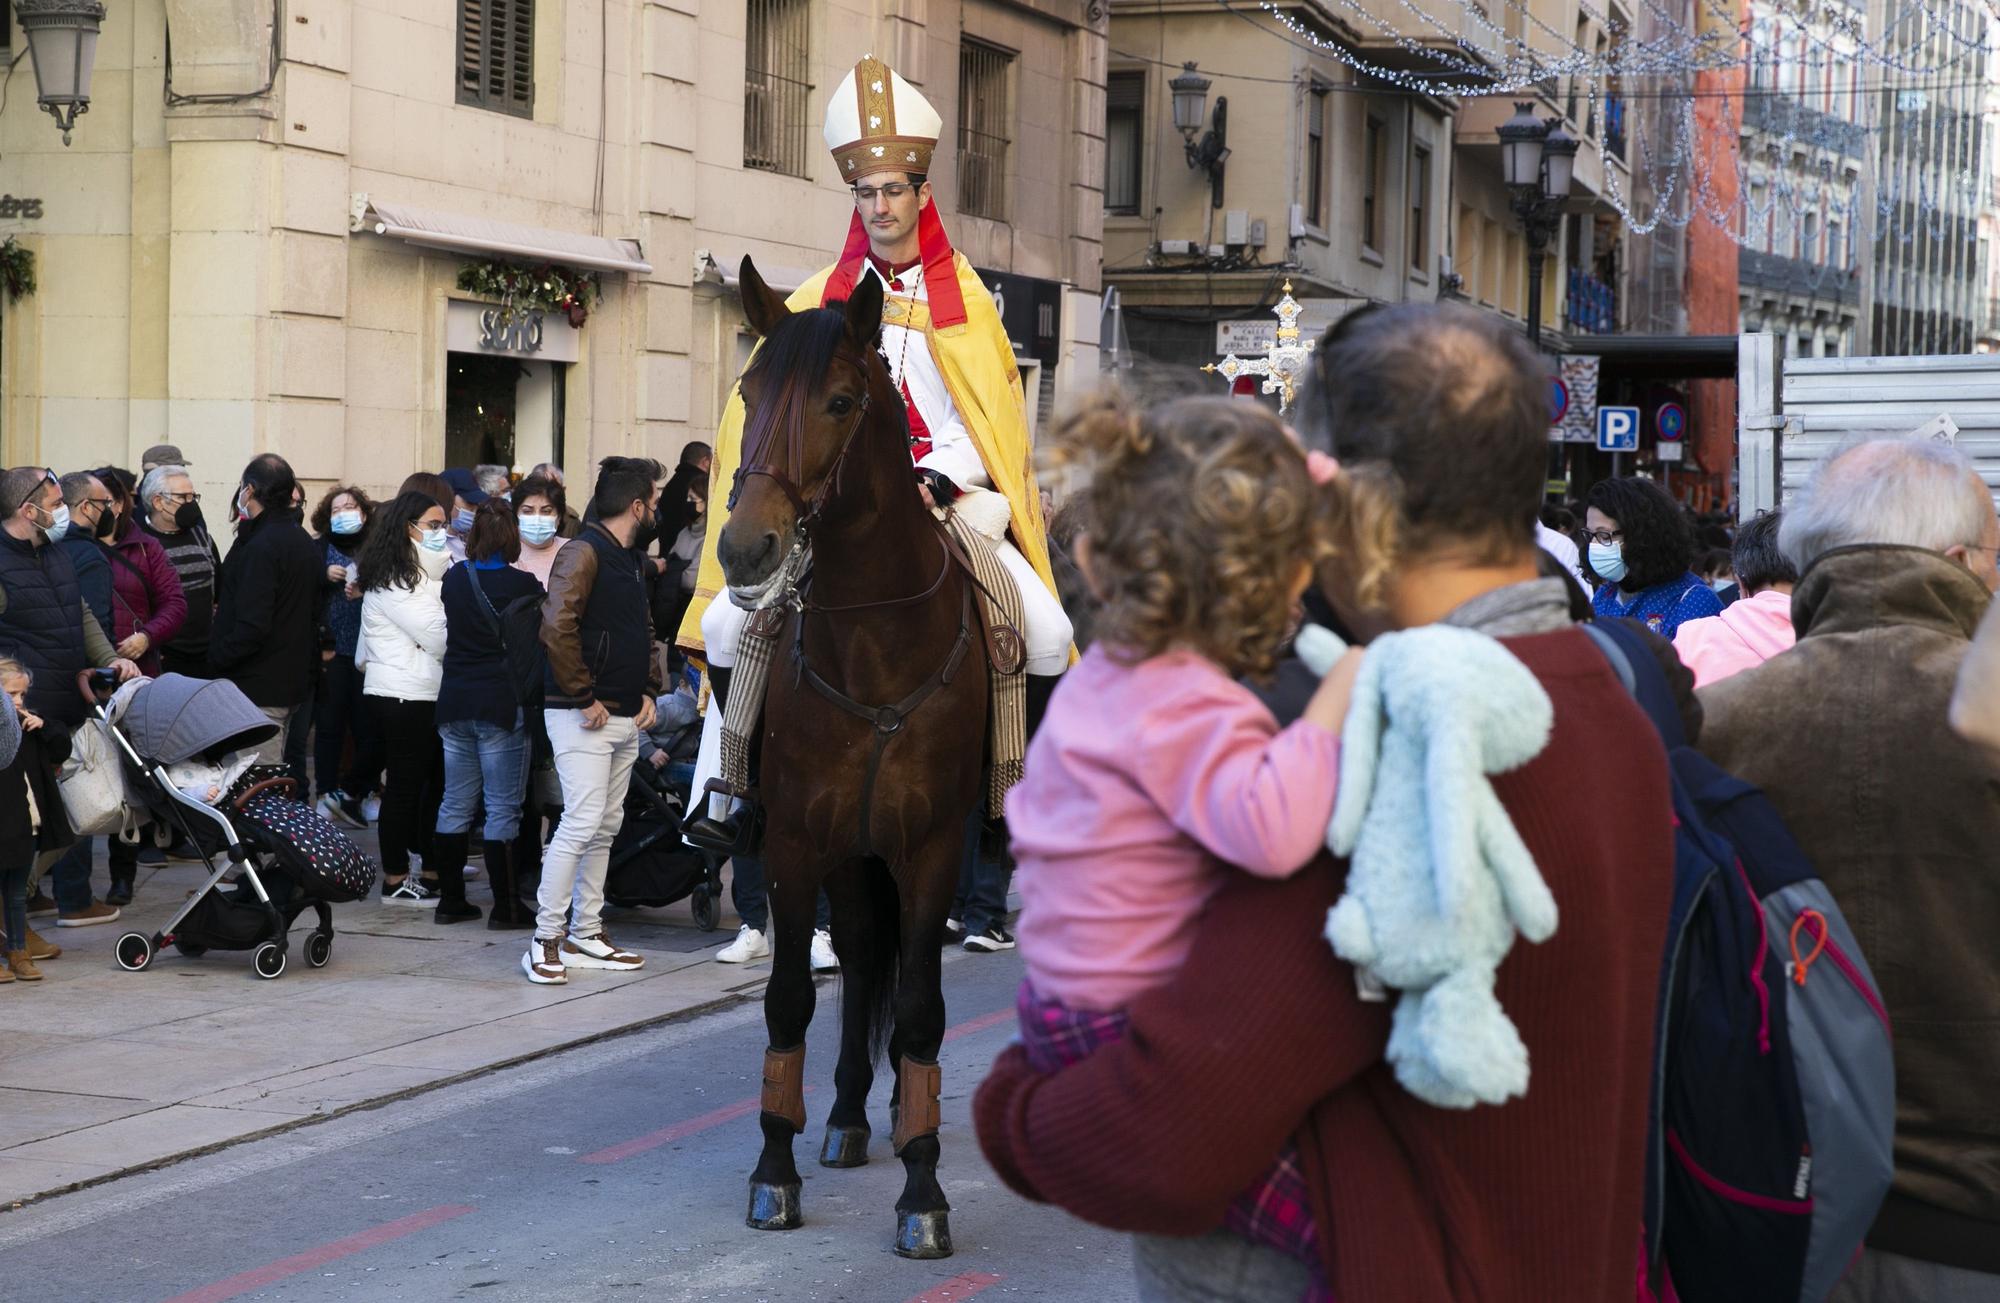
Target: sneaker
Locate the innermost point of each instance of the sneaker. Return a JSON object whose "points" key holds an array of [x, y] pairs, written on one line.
{"points": [[371, 808], [98, 912], [152, 856], [954, 931], [337, 807], [748, 945], [39, 904], [22, 966], [599, 952], [184, 850], [410, 891], [992, 939], [471, 871], [39, 949], [544, 962], [823, 958]]}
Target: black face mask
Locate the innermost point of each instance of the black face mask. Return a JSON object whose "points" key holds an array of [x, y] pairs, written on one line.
{"points": [[648, 530], [107, 525], [188, 516]]}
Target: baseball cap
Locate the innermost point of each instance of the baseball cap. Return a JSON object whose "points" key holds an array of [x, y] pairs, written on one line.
{"points": [[464, 485], [162, 454]]}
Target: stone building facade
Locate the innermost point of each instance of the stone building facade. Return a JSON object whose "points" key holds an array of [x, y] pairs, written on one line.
{"points": [[256, 239]]}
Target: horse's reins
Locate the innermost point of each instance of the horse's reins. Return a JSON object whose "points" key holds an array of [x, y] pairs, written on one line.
{"points": [[887, 721]]}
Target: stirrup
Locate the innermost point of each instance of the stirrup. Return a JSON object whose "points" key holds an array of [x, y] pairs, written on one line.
{"points": [[740, 833]]}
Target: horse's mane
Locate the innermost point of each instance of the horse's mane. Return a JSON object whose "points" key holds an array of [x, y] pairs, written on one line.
{"points": [[801, 349]]}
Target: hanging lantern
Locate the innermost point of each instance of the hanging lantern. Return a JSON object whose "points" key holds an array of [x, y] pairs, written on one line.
{"points": [[62, 38]]}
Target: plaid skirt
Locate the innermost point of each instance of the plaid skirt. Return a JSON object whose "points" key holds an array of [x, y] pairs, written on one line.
{"points": [[1274, 1212]]}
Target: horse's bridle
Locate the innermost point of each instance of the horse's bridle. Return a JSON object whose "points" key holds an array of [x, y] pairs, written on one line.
{"points": [[787, 478]]}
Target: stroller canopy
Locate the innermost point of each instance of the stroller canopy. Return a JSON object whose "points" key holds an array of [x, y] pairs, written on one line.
{"points": [[174, 718]]}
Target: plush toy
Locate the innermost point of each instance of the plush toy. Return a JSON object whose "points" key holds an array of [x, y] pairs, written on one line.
{"points": [[1439, 880]]}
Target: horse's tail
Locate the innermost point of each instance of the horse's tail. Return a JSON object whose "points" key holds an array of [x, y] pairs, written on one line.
{"points": [[880, 967]]}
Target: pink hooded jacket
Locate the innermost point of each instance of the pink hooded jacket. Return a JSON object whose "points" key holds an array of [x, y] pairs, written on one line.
{"points": [[1745, 635]]}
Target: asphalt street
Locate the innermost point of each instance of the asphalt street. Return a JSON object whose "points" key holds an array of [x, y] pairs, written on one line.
{"points": [[617, 1170]]}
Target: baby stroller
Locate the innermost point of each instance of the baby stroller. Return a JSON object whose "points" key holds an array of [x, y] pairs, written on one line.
{"points": [[289, 857], [651, 866]]}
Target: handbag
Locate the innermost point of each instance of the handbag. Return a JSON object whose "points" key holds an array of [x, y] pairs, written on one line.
{"points": [[519, 628], [93, 783]]}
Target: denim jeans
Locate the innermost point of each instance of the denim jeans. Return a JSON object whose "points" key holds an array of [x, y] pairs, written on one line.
{"points": [[14, 902], [746, 892], [483, 760], [981, 901], [70, 877], [1220, 1267], [595, 764]]}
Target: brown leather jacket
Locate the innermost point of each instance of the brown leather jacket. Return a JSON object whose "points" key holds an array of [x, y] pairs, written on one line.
{"points": [[597, 627]]}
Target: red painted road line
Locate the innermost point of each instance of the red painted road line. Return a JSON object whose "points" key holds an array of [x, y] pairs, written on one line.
{"points": [[958, 1287], [974, 1026], [745, 1107], [325, 1253], [678, 1131]]}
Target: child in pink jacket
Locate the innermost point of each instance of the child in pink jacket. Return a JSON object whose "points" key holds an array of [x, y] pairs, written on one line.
{"points": [[1755, 627]]}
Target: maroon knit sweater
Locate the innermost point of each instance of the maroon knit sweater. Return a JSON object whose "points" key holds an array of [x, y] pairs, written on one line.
{"points": [[1261, 1036]]}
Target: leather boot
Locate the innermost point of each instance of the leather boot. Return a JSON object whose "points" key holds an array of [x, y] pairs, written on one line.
{"points": [[449, 849], [510, 912]]}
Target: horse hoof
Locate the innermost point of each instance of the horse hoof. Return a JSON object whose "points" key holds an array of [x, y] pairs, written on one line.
{"points": [[844, 1147], [923, 1235], [774, 1207]]}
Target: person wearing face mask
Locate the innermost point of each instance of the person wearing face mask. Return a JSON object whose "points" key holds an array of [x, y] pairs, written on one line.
{"points": [[169, 512], [1847, 734], [340, 709], [1641, 546], [539, 509], [400, 651], [89, 508], [466, 495], [47, 626], [266, 635]]}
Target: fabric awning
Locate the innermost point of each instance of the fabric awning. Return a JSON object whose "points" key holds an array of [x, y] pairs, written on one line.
{"points": [[441, 230]]}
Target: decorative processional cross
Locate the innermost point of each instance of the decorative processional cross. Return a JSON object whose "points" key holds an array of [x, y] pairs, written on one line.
{"points": [[1284, 366]]}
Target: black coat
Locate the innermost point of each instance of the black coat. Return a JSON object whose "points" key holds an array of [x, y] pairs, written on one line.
{"points": [[266, 635], [42, 753]]}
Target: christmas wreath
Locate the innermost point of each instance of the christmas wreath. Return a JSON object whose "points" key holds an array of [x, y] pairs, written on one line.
{"points": [[548, 287]]}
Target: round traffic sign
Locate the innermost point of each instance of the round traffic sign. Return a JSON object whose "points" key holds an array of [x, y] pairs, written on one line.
{"points": [[1558, 400], [1671, 421]]}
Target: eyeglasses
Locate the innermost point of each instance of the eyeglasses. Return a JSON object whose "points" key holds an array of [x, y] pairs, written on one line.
{"points": [[1604, 536], [102, 502], [895, 190], [182, 497]]}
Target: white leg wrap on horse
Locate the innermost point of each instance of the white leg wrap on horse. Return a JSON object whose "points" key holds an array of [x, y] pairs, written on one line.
{"points": [[1049, 632]]}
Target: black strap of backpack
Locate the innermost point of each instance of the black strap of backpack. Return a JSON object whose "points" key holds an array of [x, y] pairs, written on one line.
{"points": [[1632, 661], [486, 604]]}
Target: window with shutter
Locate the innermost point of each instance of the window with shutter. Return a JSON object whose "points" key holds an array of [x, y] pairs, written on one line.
{"points": [[1124, 140], [496, 55]]}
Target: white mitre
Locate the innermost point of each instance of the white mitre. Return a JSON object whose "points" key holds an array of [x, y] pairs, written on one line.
{"points": [[876, 121]]}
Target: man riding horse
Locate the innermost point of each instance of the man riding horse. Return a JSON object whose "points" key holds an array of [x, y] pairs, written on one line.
{"points": [[951, 362]]}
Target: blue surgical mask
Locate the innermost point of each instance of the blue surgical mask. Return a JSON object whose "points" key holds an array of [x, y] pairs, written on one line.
{"points": [[537, 530], [347, 522], [431, 540], [1608, 560], [58, 522], [461, 521]]}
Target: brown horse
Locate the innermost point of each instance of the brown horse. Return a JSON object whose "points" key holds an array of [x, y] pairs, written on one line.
{"points": [[873, 738]]}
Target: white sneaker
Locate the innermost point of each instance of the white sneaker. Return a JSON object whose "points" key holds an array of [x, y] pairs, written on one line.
{"points": [[823, 958], [748, 945], [371, 808], [543, 962], [599, 952]]}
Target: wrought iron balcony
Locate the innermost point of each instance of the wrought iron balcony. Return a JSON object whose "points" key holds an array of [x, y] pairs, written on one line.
{"points": [[1778, 114], [1775, 271], [1591, 307]]}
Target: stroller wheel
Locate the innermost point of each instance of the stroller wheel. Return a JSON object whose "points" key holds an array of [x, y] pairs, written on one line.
{"points": [[192, 949], [319, 949], [269, 960], [707, 909], [135, 952]]}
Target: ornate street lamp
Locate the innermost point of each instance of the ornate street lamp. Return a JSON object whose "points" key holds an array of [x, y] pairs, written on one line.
{"points": [[1190, 91], [1537, 160], [62, 38]]}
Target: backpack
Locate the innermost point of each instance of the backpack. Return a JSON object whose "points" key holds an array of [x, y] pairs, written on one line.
{"points": [[519, 628], [1773, 1117]]}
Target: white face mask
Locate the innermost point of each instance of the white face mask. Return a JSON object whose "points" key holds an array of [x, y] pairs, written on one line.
{"points": [[536, 531], [1608, 560], [347, 522], [431, 540]]}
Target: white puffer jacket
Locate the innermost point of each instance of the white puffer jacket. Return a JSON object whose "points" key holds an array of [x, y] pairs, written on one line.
{"points": [[401, 647]]}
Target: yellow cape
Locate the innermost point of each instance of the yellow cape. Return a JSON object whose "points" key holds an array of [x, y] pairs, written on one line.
{"points": [[977, 363]]}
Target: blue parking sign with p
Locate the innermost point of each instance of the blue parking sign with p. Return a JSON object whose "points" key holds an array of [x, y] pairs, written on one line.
{"points": [[1618, 429]]}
